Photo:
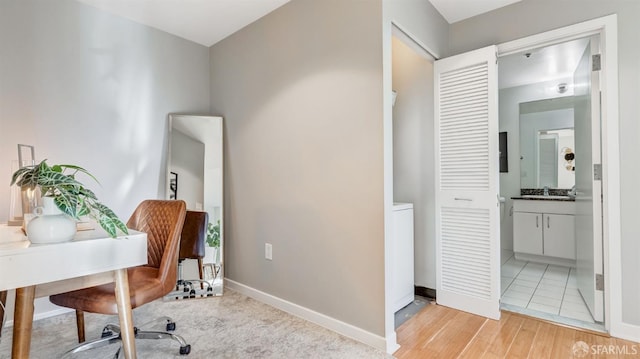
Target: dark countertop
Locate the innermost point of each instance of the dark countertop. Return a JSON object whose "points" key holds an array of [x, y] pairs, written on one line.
{"points": [[545, 198]]}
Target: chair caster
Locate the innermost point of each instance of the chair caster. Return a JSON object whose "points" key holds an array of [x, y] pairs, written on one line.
{"points": [[171, 326], [185, 350]]}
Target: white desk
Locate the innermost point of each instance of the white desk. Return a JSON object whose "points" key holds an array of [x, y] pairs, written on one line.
{"points": [[91, 258]]}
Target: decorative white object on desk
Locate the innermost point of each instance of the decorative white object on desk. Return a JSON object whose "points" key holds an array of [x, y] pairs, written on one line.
{"points": [[50, 224]]}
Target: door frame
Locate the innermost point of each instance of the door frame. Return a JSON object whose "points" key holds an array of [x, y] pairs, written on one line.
{"points": [[392, 28], [606, 27]]}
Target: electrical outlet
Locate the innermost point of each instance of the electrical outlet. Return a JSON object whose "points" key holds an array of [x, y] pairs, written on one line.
{"points": [[268, 251]]}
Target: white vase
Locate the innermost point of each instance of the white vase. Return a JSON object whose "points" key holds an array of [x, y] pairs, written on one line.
{"points": [[211, 254], [50, 224]]}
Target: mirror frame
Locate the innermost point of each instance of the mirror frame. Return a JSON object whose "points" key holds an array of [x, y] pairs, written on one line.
{"points": [[194, 127]]}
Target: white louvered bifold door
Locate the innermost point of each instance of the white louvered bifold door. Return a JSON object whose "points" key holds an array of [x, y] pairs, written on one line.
{"points": [[467, 222]]}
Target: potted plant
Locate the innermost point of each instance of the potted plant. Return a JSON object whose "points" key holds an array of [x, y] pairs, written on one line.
{"points": [[213, 239], [57, 183]]}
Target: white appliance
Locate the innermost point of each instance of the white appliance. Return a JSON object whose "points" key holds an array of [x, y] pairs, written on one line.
{"points": [[402, 256]]}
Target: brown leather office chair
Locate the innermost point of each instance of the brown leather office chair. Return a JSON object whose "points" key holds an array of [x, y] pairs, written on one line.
{"points": [[193, 237], [163, 222]]}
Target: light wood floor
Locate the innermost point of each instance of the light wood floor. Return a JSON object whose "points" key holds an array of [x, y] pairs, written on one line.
{"points": [[441, 332]]}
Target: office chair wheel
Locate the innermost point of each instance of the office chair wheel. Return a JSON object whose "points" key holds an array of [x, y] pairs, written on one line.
{"points": [[171, 326], [185, 350]]}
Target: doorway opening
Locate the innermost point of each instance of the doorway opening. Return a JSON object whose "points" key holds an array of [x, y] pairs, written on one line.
{"points": [[551, 216], [413, 181]]}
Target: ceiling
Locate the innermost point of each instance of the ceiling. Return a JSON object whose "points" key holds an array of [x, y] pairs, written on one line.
{"points": [[457, 10], [202, 21], [544, 64], [209, 21]]}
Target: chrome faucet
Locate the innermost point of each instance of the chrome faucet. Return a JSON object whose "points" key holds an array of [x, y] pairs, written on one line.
{"points": [[546, 190]]}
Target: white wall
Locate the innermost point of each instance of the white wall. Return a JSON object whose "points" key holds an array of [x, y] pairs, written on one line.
{"points": [[530, 17], [187, 160], [413, 152], [92, 89]]}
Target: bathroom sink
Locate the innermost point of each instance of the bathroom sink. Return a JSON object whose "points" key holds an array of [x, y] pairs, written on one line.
{"points": [[539, 196]]}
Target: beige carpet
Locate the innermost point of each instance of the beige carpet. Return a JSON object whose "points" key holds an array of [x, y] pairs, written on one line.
{"points": [[231, 326]]}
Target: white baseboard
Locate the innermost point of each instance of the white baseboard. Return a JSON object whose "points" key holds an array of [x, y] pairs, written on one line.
{"points": [[320, 319], [392, 343], [43, 315], [626, 331]]}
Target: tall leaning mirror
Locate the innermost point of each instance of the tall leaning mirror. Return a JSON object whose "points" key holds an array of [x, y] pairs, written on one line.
{"points": [[194, 174]]}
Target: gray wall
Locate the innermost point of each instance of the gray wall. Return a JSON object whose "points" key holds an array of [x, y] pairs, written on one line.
{"points": [[301, 94], [534, 16], [413, 152], [420, 20], [92, 89]]}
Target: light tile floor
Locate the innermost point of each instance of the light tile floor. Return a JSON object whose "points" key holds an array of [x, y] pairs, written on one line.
{"points": [[549, 289]]}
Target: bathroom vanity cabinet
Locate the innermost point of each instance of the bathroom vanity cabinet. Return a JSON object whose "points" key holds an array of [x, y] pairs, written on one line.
{"points": [[544, 230]]}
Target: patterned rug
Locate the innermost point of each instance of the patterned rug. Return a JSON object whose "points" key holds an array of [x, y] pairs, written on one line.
{"points": [[231, 326]]}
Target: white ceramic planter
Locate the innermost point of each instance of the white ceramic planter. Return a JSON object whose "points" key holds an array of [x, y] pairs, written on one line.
{"points": [[50, 224], [211, 255]]}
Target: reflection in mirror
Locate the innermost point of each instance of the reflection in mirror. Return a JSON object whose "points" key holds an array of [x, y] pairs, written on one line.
{"points": [[547, 143], [194, 174]]}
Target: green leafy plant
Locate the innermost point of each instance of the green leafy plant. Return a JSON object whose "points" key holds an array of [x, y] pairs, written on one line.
{"points": [[71, 196], [213, 234]]}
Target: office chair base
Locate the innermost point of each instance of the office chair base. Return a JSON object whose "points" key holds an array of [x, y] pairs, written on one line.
{"points": [[111, 334], [192, 288]]}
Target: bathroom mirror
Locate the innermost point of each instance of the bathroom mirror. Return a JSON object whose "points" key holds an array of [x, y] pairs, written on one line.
{"points": [[194, 174], [547, 144]]}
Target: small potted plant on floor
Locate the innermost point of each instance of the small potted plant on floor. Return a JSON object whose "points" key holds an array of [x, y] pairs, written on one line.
{"points": [[65, 197]]}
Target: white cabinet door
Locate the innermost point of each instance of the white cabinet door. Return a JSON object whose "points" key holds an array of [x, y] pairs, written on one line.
{"points": [[559, 236], [403, 273], [527, 233]]}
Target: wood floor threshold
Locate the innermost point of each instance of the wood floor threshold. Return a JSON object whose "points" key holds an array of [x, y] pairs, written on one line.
{"points": [[441, 332], [588, 331]]}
